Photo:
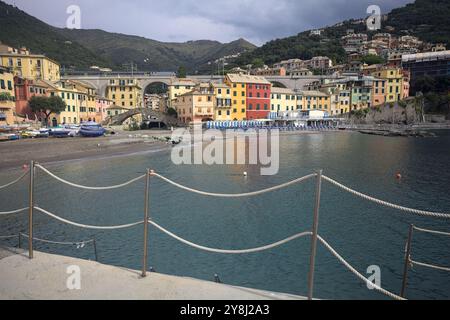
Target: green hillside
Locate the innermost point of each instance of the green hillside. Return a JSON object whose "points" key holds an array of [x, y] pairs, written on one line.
{"points": [[426, 19], [20, 29], [151, 54]]}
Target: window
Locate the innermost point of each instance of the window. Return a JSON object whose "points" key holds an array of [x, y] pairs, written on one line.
{"points": [[250, 106], [9, 85], [219, 91], [2, 84], [242, 110]]}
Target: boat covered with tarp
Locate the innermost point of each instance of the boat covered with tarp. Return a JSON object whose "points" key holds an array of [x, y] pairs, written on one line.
{"points": [[92, 129]]}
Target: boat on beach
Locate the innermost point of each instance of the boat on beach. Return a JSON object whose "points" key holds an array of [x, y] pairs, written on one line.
{"points": [[59, 132], [92, 130]]}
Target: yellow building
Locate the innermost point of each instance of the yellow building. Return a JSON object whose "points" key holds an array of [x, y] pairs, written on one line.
{"points": [[7, 97], [196, 106], [223, 102], [126, 93], [80, 99], [88, 105], [340, 97], [315, 100], [394, 83], [283, 100], [179, 87], [30, 66], [238, 96]]}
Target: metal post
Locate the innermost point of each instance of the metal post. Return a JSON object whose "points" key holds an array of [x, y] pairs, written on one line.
{"points": [[20, 241], [314, 236], [95, 249], [146, 217], [407, 261], [30, 211]]}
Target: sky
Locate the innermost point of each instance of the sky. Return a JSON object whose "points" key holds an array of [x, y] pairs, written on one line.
{"points": [[257, 21]]}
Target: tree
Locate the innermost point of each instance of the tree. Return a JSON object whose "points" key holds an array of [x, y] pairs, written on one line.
{"points": [[172, 112], [181, 73], [47, 105], [257, 63], [371, 59]]}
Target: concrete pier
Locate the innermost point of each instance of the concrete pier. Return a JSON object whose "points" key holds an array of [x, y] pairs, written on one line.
{"points": [[45, 278]]}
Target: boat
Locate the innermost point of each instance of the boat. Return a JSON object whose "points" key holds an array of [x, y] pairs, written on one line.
{"points": [[92, 130], [59, 132]]}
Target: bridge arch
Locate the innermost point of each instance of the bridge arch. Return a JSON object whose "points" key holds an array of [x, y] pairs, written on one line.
{"points": [[148, 115], [278, 84]]}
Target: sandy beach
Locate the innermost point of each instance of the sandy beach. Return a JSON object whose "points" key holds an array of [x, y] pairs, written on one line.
{"points": [[14, 154]]}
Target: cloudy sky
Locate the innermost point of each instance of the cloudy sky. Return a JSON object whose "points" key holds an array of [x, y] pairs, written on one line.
{"points": [[224, 20]]}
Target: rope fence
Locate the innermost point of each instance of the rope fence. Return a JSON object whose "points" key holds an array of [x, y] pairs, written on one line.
{"points": [[430, 266], [15, 181], [315, 237], [86, 187], [388, 204], [237, 195], [78, 244], [9, 237], [432, 231], [86, 226], [5, 213], [245, 251]]}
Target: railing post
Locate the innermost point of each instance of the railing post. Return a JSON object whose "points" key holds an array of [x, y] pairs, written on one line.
{"points": [[407, 261], [314, 236], [95, 250], [30, 211], [146, 217]]}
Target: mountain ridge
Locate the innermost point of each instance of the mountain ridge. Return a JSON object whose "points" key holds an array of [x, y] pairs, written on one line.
{"points": [[84, 48]]}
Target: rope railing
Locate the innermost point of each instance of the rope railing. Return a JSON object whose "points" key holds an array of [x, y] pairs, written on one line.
{"points": [[5, 213], [79, 243], [9, 237], [245, 251], [388, 204], [15, 181], [430, 266], [147, 221], [237, 195], [86, 187], [86, 226], [277, 244], [432, 231], [356, 273]]}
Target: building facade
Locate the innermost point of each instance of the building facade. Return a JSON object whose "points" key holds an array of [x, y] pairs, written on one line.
{"points": [[7, 97], [126, 93], [25, 89], [29, 66]]}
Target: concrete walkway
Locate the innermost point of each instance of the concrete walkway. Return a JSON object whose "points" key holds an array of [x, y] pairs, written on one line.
{"points": [[45, 278]]}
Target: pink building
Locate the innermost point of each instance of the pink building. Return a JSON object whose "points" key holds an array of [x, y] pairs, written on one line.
{"points": [[102, 106]]}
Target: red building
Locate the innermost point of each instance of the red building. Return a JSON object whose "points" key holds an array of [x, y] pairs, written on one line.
{"points": [[25, 89], [258, 99]]}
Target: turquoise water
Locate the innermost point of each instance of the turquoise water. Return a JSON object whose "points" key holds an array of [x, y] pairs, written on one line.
{"points": [[362, 232]]}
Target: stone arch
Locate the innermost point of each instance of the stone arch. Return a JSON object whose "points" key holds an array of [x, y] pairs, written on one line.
{"points": [[146, 113], [278, 84], [145, 83]]}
